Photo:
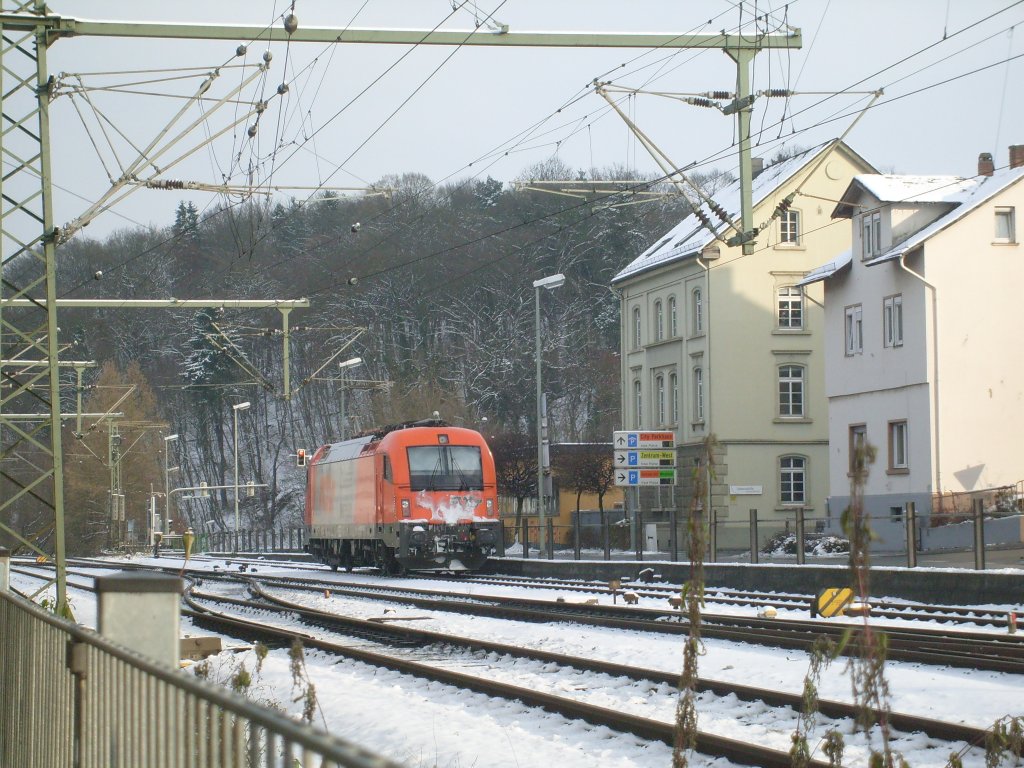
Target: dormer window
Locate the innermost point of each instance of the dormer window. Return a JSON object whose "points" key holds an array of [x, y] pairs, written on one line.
{"points": [[871, 235]]}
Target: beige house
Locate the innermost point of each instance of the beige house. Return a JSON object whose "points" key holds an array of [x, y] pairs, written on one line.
{"points": [[716, 342], [922, 352]]}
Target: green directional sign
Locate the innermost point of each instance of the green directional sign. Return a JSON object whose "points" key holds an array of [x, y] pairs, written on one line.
{"points": [[630, 459]]}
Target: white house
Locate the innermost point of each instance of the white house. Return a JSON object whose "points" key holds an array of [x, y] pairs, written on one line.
{"points": [[717, 342], [923, 348]]}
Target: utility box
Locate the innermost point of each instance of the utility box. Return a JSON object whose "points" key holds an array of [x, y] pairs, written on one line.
{"points": [[142, 611]]}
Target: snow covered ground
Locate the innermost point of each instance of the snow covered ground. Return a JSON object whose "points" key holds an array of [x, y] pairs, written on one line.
{"points": [[433, 725]]}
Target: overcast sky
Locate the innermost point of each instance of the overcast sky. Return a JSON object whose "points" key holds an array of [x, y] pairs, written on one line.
{"points": [[480, 101]]}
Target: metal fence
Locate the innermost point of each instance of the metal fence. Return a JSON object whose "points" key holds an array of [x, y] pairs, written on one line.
{"points": [[70, 698]]}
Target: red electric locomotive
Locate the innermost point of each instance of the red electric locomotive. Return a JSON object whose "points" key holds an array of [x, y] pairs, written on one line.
{"points": [[416, 496]]}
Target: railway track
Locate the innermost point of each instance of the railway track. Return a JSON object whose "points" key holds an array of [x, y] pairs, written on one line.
{"points": [[406, 638], [410, 638]]}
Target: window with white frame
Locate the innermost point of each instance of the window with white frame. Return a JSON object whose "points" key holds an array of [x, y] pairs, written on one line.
{"points": [[636, 327], [793, 479], [638, 405], [789, 228], [659, 386], [698, 311], [673, 381], [790, 304], [871, 234], [673, 323], [892, 320], [791, 391], [659, 321], [898, 457], [698, 394], [1005, 229], [854, 330]]}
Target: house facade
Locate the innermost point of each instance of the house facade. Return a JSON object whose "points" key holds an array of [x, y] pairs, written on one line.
{"points": [[921, 342], [714, 342]]}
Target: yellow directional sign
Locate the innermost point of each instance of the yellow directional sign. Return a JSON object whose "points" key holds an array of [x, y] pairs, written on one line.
{"points": [[645, 459]]}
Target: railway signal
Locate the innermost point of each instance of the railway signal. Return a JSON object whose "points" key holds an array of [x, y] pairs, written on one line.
{"points": [[300, 457]]}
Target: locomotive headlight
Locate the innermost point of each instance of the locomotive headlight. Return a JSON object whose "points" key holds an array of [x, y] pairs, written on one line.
{"points": [[405, 508], [490, 508]]}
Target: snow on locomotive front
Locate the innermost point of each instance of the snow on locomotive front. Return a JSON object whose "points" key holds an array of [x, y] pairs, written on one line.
{"points": [[420, 496]]}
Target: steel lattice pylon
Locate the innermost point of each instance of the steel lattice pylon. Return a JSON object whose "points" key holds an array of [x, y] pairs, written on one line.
{"points": [[31, 472]]}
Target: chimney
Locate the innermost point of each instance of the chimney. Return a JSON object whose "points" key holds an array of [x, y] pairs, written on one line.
{"points": [[757, 165], [1016, 155], [985, 165]]}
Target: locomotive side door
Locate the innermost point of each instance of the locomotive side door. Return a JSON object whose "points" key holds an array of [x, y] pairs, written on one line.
{"points": [[386, 512]]}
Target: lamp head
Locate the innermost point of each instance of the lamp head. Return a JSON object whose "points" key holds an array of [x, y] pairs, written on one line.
{"points": [[169, 438], [241, 406], [350, 363], [550, 282]]}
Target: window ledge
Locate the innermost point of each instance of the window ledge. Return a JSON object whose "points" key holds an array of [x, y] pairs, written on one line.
{"points": [[699, 335], [790, 332], [792, 420], [786, 506], [789, 247], [898, 471], [1005, 242], [697, 425], [663, 342]]}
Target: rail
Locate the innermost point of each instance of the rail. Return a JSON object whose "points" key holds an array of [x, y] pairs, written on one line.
{"points": [[68, 697]]}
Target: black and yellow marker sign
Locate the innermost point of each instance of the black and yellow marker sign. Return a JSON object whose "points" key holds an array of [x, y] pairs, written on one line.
{"points": [[831, 601]]}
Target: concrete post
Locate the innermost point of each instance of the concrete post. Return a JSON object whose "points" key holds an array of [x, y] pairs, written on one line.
{"points": [[142, 611], [753, 536], [5, 569], [551, 538], [640, 536], [526, 537], [576, 536], [911, 519], [673, 533], [979, 535]]}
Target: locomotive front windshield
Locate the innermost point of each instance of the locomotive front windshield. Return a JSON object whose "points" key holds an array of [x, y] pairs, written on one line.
{"points": [[445, 468]]}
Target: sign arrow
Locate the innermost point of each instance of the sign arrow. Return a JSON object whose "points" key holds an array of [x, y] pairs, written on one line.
{"points": [[621, 440], [621, 478], [621, 457]]}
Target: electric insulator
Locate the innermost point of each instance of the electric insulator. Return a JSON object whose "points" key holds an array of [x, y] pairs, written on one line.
{"points": [[291, 23], [778, 92], [241, 50], [252, 131], [267, 56], [720, 95], [261, 107], [282, 89], [697, 102]]}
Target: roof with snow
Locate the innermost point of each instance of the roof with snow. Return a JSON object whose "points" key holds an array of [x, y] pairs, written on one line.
{"points": [[687, 238], [892, 188], [966, 194], [842, 261]]}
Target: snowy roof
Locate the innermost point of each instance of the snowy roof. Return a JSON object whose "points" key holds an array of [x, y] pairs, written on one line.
{"points": [[975, 192], [965, 194], [688, 237], [842, 261], [893, 188]]}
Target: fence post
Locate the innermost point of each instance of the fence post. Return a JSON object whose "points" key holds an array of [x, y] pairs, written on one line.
{"points": [[801, 556], [551, 539], [673, 534], [753, 536], [713, 536], [911, 520], [526, 536], [979, 534], [576, 537], [606, 535], [640, 536], [5, 569], [141, 610]]}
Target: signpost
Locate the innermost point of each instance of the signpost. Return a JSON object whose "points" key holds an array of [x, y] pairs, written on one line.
{"points": [[644, 458]]}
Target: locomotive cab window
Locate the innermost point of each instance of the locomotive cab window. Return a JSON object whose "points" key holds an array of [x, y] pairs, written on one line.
{"points": [[388, 475], [445, 468]]}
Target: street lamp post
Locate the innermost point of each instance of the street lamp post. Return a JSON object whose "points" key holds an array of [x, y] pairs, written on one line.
{"points": [[235, 409], [343, 366], [551, 282], [167, 482]]}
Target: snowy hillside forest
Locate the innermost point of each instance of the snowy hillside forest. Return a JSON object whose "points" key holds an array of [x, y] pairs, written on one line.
{"points": [[431, 286]]}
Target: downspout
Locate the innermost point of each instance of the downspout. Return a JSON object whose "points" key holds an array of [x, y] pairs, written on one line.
{"points": [[935, 366], [707, 379]]}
